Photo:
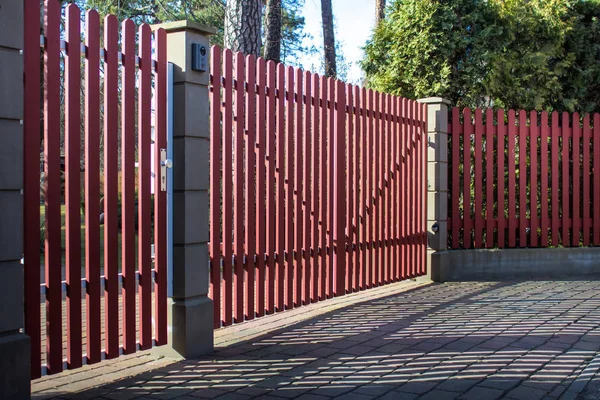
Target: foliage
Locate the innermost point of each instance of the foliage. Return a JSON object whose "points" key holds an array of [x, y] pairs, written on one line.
{"points": [[539, 54]]}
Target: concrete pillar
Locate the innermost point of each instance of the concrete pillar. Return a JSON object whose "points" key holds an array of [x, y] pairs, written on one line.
{"points": [[15, 368], [190, 308], [437, 180]]}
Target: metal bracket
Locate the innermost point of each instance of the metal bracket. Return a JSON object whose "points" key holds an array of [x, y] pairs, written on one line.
{"points": [[164, 164]]}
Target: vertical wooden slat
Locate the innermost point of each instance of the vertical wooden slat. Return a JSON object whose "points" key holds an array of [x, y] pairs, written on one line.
{"points": [[238, 186], [323, 192], [52, 187], [111, 262], [349, 185], [72, 186], [356, 187], [489, 182], [586, 180], [523, 134], [215, 184], [144, 204], [545, 220], [92, 187], [289, 188], [369, 194], [454, 167], [467, 132], [596, 177], [533, 177], [330, 187], [403, 192], [565, 134], [554, 174], [280, 205], [413, 189], [479, 132], [316, 185], [271, 188], [364, 248], [128, 161], [160, 197], [396, 187], [424, 150], [298, 184], [249, 193], [512, 222], [388, 219], [500, 179], [339, 204], [376, 171], [576, 184], [261, 191], [307, 188], [227, 200], [383, 191]]}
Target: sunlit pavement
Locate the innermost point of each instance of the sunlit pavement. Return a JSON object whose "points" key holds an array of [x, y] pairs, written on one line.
{"points": [[471, 340]]}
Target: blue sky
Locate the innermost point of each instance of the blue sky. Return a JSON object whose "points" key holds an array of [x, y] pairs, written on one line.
{"points": [[355, 20]]}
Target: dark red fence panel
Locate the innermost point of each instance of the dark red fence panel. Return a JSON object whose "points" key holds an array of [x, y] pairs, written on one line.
{"points": [[541, 179], [309, 181]]}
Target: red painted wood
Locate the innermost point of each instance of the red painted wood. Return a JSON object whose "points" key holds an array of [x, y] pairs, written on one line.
{"points": [[349, 185], [261, 190], [323, 190], [249, 196], [533, 176], [500, 179], [576, 217], [596, 177], [128, 160], [238, 187], [144, 199], [479, 222], [384, 218], [369, 176], [339, 197], [512, 182], [330, 187], [424, 144], [215, 184], [566, 215], [271, 188], [280, 205], [92, 187], [489, 182], [31, 181], [586, 180], [227, 198], [289, 188], [160, 197], [356, 188], [394, 191], [364, 247], [111, 213], [454, 171], [523, 134], [315, 149], [404, 183], [72, 186], [377, 212], [413, 191], [307, 188], [555, 155], [467, 222], [545, 219], [388, 191], [298, 187]]}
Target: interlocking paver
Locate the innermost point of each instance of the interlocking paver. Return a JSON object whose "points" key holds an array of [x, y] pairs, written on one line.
{"points": [[481, 392]]}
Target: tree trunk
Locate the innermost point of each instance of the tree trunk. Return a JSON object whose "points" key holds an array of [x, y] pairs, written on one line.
{"points": [[273, 31], [242, 26], [379, 11], [328, 38]]}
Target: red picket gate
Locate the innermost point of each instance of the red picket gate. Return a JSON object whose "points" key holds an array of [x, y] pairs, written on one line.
{"points": [[99, 266], [317, 188], [523, 181]]}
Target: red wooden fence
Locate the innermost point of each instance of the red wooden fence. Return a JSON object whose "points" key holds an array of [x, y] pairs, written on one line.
{"points": [[541, 179], [317, 188], [112, 287]]}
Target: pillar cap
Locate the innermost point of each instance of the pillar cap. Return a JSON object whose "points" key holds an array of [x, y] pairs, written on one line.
{"points": [[185, 25], [435, 100]]}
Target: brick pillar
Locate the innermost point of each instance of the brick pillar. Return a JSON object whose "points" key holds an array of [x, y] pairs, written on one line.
{"points": [[437, 182], [190, 309], [15, 368]]}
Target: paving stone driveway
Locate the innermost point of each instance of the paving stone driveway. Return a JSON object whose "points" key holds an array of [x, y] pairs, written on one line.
{"points": [[471, 340]]}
